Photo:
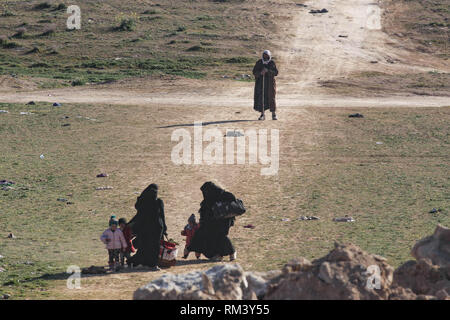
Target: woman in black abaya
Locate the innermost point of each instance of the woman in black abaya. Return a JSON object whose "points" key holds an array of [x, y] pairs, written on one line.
{"points": [[149, 226], [211, 239]]}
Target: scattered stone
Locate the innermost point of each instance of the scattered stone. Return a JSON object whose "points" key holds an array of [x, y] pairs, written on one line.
{"points": [[102, 175], [65, 117], [11, 236], [57, 104], [31, 103], [344, 219], [308, 218], [343, 36], [374, 61], [62, 199], [301, 5], [69, 202], [434, 210], [104, 188], [356, 115], [65, 125], [250, 226], [6, 296], [6, 183], [318, 11]]}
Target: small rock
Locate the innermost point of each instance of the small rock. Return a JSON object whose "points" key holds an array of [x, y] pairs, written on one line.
{"points": [[344, 219], [31, 103], [318, 11], [434, 210], [104, 188], [42, 156], [250, 226], [6, 183], [6, 296], [62, 199], [356, 115], [56, 104], [379, 142], [374, 61], [4, 111], [65, 125], [102, 175], [11, 236]]}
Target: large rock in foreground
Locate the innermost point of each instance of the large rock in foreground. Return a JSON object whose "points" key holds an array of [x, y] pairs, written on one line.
{"points": [[225, 282], [346, 273], [435, 247]]}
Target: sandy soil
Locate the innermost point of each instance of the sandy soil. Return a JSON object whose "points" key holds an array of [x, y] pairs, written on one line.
{"points": [[310, 50]]}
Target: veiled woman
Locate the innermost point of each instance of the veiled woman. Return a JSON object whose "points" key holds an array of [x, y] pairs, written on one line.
{"points": [[211, 239], [149, 226]]}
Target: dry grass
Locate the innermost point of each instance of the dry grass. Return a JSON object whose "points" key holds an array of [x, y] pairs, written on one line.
{"points": [[330, 165]]}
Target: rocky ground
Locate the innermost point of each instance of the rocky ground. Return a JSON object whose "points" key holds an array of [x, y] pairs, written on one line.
{"points": [[346, 273]]}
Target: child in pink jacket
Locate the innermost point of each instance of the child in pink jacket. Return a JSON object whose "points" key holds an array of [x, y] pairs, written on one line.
{"points": [[115, 242]]}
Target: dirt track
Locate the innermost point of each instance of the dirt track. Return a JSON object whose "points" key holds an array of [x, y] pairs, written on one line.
{"points": [[314, 52], [314, 47]]}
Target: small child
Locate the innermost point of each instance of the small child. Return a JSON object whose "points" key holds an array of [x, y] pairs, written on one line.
{"points": [[189, 231], [128, 235], [115, 242]]}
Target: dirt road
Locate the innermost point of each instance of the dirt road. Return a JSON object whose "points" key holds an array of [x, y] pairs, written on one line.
{"points": [[313, 47]]}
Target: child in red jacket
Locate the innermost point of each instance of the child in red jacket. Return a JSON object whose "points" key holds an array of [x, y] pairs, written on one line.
{"points": [[128, 235], [188, 232]]}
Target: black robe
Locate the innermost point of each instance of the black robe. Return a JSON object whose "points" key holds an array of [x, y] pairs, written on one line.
{"points": [[269, 86], [149, 226], [211, 239]]}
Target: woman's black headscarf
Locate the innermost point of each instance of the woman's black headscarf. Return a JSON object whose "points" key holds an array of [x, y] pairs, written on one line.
{"points": [[211, 192], [148, 195]]}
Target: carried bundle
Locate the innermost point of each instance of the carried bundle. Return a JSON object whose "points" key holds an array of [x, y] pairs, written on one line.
{"points": [[168, 252], [227, 209]]}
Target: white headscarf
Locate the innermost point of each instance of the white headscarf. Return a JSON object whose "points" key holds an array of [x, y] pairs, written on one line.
{"points": [[269, 54]]}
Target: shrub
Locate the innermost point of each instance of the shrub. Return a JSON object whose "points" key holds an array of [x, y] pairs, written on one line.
{"points": [[127, 24], [42, 6], [20, 33], [78, 82], [61, 6]]}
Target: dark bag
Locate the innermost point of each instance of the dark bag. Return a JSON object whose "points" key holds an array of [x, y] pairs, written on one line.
{"points": [[228, 209]]}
